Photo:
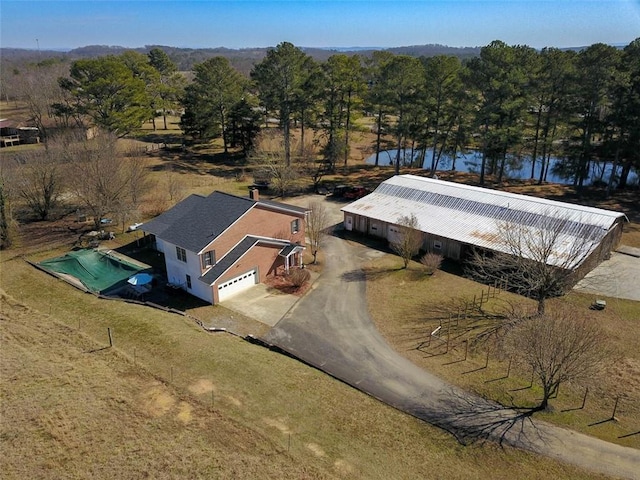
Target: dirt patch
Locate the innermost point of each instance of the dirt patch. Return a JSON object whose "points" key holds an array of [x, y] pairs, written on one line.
{"points": [[234, 401], [157, 401], [343, 467], [201, 387], [316, 449], [184, 413], [275, 423]]}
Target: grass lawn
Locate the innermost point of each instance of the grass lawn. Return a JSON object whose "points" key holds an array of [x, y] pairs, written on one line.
{"points": [[407, 305], [174, 401]]}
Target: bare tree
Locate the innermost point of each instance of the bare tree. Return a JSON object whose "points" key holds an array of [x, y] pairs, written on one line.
{"points": [[560, 347], [39, 89], [317, 223], [104, 179], [431, 262], [7, 223], [409, 238], [268, 157], [538, 259], [39, 178]]}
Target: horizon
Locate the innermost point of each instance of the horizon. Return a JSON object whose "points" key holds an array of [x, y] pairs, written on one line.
{"points": [[66, 25]]}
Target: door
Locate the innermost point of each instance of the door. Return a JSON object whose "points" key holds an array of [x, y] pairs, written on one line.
{"points": [[348, 223], [237, 285]]}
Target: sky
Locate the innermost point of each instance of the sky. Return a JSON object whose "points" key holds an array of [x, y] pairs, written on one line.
{"points": [[52, 24]]}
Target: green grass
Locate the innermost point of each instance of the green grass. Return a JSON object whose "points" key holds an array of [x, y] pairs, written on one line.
{"points": [[408, 305], [260, 400]]}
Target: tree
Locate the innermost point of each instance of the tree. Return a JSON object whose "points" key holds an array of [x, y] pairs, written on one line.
{"points": [[104, 179], [559, 347], [268, 159], [343, 83], [170, 83], [216, 89], [280, 78], [377, 92], [39, 178], [445, 101], [596, 71], [244, 125], [500, 77], [6, 215], [537, 259], [409, 238], [404, 78], [109, 92], [317, 222], [38, 88], [623, 120], [552, 87]]}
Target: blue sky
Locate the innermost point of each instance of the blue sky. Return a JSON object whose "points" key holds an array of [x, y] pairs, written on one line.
{"points": [[379, 23]]}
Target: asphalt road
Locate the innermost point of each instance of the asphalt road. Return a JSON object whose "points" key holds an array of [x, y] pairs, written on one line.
{"points": [[330, 328]]}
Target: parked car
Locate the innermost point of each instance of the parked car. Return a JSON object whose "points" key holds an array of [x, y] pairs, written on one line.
{"points": [[356, 192]]}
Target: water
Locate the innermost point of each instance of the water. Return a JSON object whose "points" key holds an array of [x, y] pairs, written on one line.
{"points": [[517, 168]]}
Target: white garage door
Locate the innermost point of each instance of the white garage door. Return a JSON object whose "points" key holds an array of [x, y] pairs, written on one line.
{"points": [[237, 285]]}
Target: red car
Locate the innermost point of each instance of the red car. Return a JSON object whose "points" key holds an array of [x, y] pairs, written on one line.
{"points": [[356, 192]]}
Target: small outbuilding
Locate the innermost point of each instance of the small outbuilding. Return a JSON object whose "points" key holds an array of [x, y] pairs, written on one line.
{"points": [[455, 218]]}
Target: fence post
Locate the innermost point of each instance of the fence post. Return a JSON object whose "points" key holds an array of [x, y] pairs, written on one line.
{"points": [[466, 349], [509, 368], [110, 338], [615, 407], [584, 399]]}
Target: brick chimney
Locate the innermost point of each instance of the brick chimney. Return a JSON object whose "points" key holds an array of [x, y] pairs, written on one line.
{"points": [[254, 194]]}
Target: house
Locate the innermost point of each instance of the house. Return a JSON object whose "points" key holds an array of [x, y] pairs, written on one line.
{"points": [[456, 218], [222, 244]]}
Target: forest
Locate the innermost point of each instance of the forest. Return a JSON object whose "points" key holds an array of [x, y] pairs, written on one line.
{"points": [[506, 102]]}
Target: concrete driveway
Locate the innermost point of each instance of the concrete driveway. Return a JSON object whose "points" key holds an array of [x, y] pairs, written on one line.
{"points": [[330, 328], [618, 277]]}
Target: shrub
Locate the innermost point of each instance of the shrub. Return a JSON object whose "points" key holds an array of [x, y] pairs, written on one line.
{"points": [[298, 277], [431, 262]]}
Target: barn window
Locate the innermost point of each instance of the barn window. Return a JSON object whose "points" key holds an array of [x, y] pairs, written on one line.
{"points": [[181, 253], [437, 245]]}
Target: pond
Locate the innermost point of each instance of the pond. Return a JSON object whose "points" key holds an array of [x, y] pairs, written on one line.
{"points": [[515, 167]]}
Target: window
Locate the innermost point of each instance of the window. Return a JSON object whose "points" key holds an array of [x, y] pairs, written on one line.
{"points": [[295, 226], [208, 259], [189, 282], [181, 253], [437, 245]]}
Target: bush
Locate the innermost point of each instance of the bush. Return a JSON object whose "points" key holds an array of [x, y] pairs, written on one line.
{"points": [[298, 277], [431, 262]]}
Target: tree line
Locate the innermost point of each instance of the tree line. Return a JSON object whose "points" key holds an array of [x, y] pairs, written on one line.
{"points": [[510, 101]]}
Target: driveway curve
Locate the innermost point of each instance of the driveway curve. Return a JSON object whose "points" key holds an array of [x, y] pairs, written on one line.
{"points": [[330, 328]]}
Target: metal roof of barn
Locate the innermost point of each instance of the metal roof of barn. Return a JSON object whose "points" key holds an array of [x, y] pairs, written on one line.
{"points": [[472, 215]]}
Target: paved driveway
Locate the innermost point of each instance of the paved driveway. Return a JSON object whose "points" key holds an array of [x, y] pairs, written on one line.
{"points": [[330, 328], [618, 277]]}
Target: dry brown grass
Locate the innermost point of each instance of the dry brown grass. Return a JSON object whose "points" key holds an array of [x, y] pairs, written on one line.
{"points": [[172, 401], [407, 306]]}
